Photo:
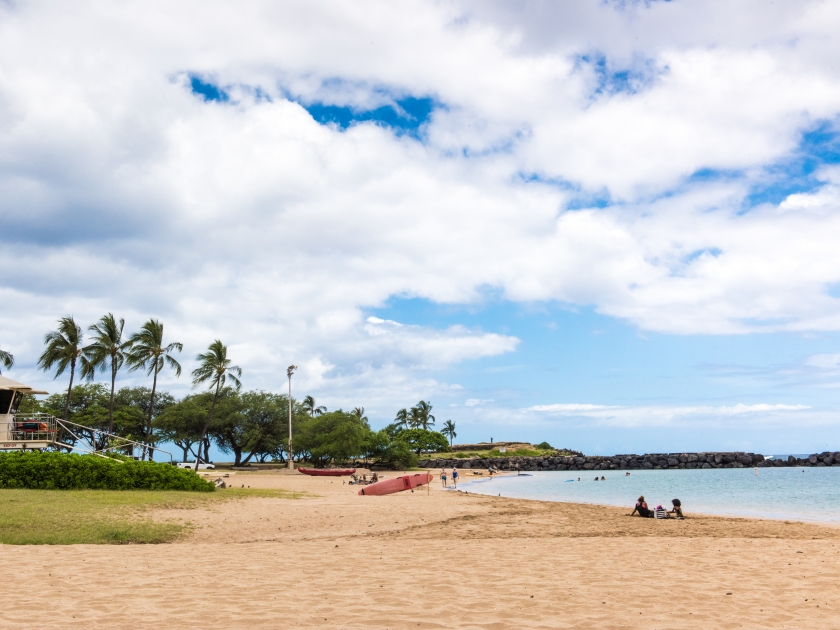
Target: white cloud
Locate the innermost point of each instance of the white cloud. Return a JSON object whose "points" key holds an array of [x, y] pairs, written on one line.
{"points": [[655, 415], [250, 222], [824, 361]]}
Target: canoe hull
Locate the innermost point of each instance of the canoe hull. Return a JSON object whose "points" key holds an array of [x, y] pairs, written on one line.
{"points": [[327, 472], [397, 484]]}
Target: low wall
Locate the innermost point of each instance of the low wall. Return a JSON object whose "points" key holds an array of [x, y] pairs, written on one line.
{"points": [[634, 462]]}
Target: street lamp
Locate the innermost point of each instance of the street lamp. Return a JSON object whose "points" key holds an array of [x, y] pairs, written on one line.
{"points": [[291, 370]]}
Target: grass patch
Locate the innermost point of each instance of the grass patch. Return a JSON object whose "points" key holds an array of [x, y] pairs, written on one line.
{"points": [[73, 517], [521, 452]]}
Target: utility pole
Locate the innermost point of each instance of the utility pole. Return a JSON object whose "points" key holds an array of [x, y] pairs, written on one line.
{"points": [[291, 370]]}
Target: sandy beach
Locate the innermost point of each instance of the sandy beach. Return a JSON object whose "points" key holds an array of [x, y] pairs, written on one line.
{"points": [[333, 559]]}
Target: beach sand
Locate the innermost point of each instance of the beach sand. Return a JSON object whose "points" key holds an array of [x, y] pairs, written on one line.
{"points": [[334, 559]]}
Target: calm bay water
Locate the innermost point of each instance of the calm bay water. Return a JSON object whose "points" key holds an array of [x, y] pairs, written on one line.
{"points": [[812, 495]]}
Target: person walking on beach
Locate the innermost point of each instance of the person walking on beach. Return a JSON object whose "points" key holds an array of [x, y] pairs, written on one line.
{"points": [[455, 477], [443, 478]]}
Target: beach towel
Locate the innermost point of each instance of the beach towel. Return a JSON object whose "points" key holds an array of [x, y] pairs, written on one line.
{"points": [[660, 512]]}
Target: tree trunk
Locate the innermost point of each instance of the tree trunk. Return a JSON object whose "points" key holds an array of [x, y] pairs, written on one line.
{"points": [[69, 388], [111, 404], [248, 459], [207, 423], [151, 410]]}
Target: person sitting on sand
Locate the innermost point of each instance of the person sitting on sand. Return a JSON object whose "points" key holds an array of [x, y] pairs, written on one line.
{"points": [[642, 508], [374, 478], [677, 511]]}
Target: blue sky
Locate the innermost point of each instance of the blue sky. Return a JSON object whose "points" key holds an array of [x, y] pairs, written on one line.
{"points": [[611, 226]]}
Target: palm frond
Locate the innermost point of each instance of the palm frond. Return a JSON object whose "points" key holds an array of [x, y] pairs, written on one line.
{"points": [[215, 368], [63, 346], [7, 359]]}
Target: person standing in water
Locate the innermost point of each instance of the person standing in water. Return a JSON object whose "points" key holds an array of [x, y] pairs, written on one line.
{"points": [[455, 477]]}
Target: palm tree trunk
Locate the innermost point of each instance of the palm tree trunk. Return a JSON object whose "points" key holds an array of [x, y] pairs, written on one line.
{"points": [[207, 423], [149, 422], [111, 403], [69, 388]]}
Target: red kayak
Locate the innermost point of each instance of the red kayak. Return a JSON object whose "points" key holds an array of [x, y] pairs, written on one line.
{"points": [[397, 484], [327, 472]]}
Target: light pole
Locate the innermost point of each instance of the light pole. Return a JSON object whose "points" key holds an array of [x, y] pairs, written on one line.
{"points": [[291, 370]]}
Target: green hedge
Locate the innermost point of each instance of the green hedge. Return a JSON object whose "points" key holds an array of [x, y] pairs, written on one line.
{"points": [[63, 471]]}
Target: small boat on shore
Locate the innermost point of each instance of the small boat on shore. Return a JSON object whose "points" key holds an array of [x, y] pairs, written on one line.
{"points": [[327, 472], [397, 484]]}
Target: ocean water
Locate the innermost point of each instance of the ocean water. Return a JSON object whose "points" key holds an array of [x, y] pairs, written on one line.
{"points": [[809, 494]]}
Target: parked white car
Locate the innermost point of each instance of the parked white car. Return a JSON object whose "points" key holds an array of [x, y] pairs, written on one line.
{"points": [[191, 466]]}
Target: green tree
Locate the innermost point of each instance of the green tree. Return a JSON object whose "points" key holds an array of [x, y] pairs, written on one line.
{"points": [[332, 436], [398, 455], [449, 431], [422, 440], [359, 412], [107, 350], [421, 416], [7, 359], [181, 423], [64, 348], [311, 408], [87, 405], [253, 423], [401, 420], [131, 412], [393, 430], [214, 370], [148, 352]]}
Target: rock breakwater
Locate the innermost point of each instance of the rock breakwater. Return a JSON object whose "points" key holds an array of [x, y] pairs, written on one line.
{"points": [[635, 462]]}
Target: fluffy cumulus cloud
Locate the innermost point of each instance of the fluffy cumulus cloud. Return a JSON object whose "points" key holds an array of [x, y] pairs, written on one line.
{"points": [[264, 173]]}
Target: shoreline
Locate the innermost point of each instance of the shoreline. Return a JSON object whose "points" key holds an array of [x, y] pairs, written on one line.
{"points": [[469, 481], [434, 559]]}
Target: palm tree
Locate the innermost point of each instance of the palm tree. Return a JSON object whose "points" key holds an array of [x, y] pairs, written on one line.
{"points": [[423, 418], [64, 347], [449, 429], [7, 359], [147, 351], [402, 418], [359, 412], [311, 409], [214, 369], [107, 350]]}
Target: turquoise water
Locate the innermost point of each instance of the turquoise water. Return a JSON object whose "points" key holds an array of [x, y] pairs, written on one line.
{"points": [[783, 493]]}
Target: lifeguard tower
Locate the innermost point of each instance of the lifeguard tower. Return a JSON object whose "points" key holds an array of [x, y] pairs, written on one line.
{"points": [[20, 432], [40, 430]]}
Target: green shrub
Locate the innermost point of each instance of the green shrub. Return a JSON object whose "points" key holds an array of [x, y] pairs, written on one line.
{"points": [[63, 471], [398, 456], [544, 445], [461, 455]]}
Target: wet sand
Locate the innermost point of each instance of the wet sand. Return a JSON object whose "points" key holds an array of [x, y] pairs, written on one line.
{"points": [[334, 559]]}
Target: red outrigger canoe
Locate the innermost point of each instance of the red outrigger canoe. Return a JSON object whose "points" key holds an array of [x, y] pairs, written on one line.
{"points": [[327, 472], [397, 484]]}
